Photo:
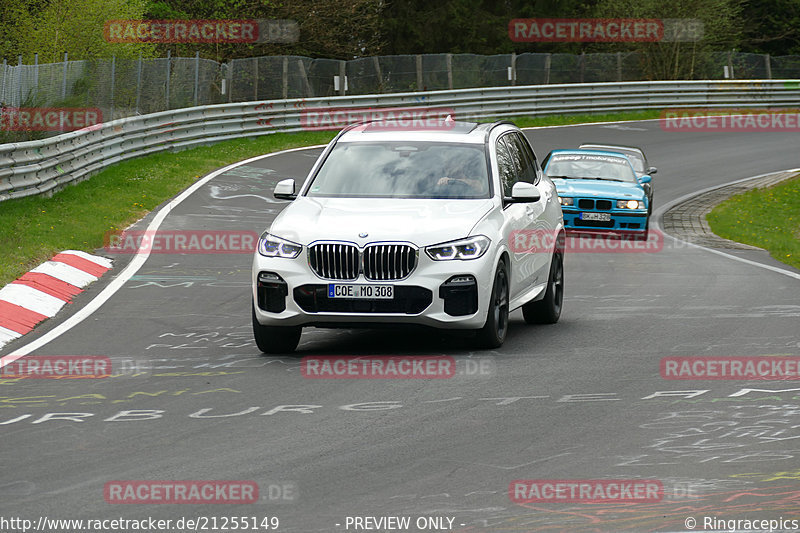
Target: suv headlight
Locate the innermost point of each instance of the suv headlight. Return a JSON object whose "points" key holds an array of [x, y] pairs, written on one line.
{"points": [[273, 246], [630, 204], [469, 248], [565, 201]]}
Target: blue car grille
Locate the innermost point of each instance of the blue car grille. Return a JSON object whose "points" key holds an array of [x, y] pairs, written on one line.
{"points": [[600, 205]]}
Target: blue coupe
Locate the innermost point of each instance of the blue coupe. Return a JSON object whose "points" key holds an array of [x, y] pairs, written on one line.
{"points": [[599, 191]]}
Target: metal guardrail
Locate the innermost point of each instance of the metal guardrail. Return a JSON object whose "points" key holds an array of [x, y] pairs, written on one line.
{"points": [[43, 166]]}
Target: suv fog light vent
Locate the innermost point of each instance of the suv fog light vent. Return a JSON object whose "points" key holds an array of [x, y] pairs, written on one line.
{"points": [[460, 295], [271, 291]]}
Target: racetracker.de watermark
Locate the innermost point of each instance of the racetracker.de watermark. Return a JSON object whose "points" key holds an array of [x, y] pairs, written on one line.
{"points": [[201, 31], [731, 368], [604, 30], [49, 118], [544, 241], [180, 492], [57, 367], [730, 120], [585, 490], [389, 119], [180, 242], [389, 367]]}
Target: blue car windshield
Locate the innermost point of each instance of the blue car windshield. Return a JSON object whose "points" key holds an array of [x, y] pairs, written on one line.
{"points": [[590, 166], [426, 170]]}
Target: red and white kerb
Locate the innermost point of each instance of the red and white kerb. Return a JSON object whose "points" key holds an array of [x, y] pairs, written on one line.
{"points": [[42, 292]]}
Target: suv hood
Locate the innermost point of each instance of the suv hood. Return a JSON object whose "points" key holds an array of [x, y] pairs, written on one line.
{"points": [[421, 222], [599, 189]]}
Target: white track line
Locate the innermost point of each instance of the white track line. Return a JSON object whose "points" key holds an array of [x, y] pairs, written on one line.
{"points": [[659, 213], [133, 267]]}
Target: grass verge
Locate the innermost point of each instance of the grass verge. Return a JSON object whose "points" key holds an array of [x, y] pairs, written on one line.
{"points": [[768, 218], [34, 229]]}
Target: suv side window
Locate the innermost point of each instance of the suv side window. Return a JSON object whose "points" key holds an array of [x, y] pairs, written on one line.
{"points": [[528, 153], [522, 153], [506, 165]]}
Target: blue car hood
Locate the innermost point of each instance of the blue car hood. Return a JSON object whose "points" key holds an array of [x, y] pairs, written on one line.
{"points": [[599, 189]]}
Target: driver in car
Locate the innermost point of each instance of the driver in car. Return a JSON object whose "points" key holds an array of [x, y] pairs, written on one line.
{"points": [[460, 174]]}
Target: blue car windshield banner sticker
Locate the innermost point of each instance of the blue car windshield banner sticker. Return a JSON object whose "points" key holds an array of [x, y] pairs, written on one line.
{"points": [[590, 157]]}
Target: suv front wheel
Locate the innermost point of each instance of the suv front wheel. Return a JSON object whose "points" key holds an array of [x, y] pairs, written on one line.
{"points": [[493, 333], [275, 339], [548, 309]]}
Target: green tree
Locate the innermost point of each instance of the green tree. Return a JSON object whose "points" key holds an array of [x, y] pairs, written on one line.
{"points": [[772, 27], [52, 27], [678, 60], [340, 29]]}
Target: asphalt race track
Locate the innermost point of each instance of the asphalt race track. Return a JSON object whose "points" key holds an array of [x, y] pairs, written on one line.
{"points": [[580, 400]]}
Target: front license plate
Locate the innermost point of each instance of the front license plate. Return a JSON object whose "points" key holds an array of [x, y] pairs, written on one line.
{"points": [[605, 217], [361, 292]]}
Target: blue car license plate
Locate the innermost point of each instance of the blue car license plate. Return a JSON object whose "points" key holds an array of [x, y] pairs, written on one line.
{"points": [[604, 217]]}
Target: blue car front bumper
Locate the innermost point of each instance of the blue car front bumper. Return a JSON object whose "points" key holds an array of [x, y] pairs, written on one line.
{"points": [[618, 220]]}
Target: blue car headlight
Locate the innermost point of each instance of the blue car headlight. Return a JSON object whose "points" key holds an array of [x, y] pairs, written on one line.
{"points": [[274, 246], [630, 204], [469, 248], [566, 201]]}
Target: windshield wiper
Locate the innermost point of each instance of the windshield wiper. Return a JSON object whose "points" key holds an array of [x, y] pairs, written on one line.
{"points": [[599, 178]]}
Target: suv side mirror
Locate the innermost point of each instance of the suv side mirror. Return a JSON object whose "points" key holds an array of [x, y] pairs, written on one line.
{"points": [[652, 170], [524, 192], [284, 190]]}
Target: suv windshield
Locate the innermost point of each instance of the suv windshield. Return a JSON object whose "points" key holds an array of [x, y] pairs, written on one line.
{"points": [[591, 166], [403, 170]]}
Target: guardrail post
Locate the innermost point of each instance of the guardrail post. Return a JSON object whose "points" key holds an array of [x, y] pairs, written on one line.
{"points": [[255, 78], [342, 78], [547, 61], [512, 70], [619, 66], [582, 66], [378, 75], [768, 66], [229, 74], [285, 92], [449, 63], [138, 83], [64, 78], [419, 72], [19, 78], [169, 55], [730, 63], [196, 76], [5, 76], [113, 78], [308, 91], [36, 74]]}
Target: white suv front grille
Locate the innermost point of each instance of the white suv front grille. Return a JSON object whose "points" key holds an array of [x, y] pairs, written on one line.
{"points": [[378, 262]]}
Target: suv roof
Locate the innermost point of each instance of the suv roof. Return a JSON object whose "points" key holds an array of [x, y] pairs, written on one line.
{"points": [[459, 131]]}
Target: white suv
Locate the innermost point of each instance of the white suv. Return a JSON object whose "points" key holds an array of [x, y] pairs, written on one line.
{"points": [[412, 227]]}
